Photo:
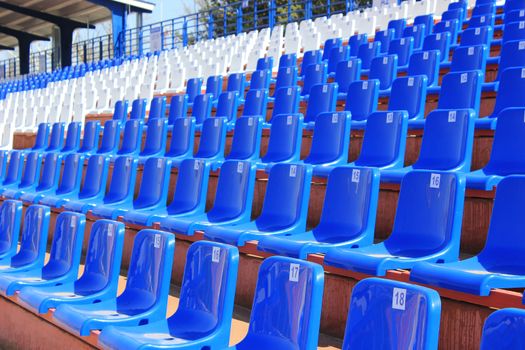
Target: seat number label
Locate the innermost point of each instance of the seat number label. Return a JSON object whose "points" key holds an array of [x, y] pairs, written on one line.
{"points": [[411, 81], [289, 120], [216, 254], [293, 170], [452, 116], [435, 179], [356, 173], [399, 298], [389, 118], [156, 243], [294, 273], [464, 78], [334, 118], [240, 167]]}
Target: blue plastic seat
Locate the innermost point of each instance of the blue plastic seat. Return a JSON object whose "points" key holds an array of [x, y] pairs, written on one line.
{"points": [[461, 90], [246, 142], [513, 31], [193, 88], [440, 42], [29, 177], [146, 295], [286, 77], [33, 240], [288, 60], [309, 58], [15, 169], [355, 41], [499, 264], [48, 181], [155, 142], [206, 298], [513, 16], [367, 52], [286, 308], [201, 109], [361, 100], [120, 111], [347, 220], [138, 109], [42, 137], [131, 138], [284, 143], [458, 14], [427, 20], [72, 142], [237, 83], [265, 63], [347, 72], [212, 140], [504, 329], [403, 49], [476, 36], [417, 32], [452, 26], [387, 314], [227, 106], [338, 54], [64, 258], [110, 138], [323, 98], [446, 145], [10, 220], [512, 55], [425, 63], [256, 103], [182, 139], [232, 205], [286, 101], [56, 138], [90, 138], [93, 187], [314, 74], [214, 86], [121, 188], [69, 185], [178, 108], [4, 154], [427, 227], [329, 45], [284, 209], [482, 10], [157, 108], [409, 94], [384, 69], [482, 20], [99, 279], [384, 37], [398, 25], [261, 79], [466, 58]]}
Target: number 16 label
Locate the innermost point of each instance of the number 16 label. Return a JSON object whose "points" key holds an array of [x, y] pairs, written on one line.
{"points": [[399, 298]]}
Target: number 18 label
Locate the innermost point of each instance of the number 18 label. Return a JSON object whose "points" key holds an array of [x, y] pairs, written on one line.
{"points": [[399, 298]]}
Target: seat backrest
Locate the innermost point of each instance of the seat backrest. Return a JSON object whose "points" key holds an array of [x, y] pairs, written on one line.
{"points": [[286, 308], [149, 271], [214, 85], [91, 136], [201, 108], [384, 37], [314, 74], [284, 144], [393, 315], [467, 58], [481, 20], [31, 169], [338, 54], [367, 52], [10, 220], [512, 55], [329, 45], [66, 247], [425, 63], [178, 108], [4, 154], [286, 101], [154, 184], [447, 141], [94, 181], [260, 79], [120, 111], [384, 140], [451, 26], [288, 60], [14, 168], [265, 63], [42, 136], [417, 32], [156, 134], [132, 137], [234, 195], [246, 142], [384, 69], [440, 42], [409, 94], [193, 88], [454, 13], [514, 15], [56, 139], [138, 109], [122, 185], [403, 48], [103, 257], [309, 58], [191, 188], [50, 172], [110, 137], [256, 102], [72, 142], [286, 199], [33, 241], [398, 25], [157, 108], [227, 105], [286, 76], [236, 82], [322, 99], [476, 36], [511, 90], [362, 98], [427, 20], [355, 41], [182, 138], [213, 138], [71, 174], [504, 329], [347, 72], [331, 138], [483, 9], [429, 213], [461, 90]]}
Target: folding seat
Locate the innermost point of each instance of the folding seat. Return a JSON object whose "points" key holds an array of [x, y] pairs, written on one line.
{"points": [[398, 25], [427, 20], [461, 90], [427, 227], [286, 101], [504, 329], [33, 240], [338, 54], [3, 163], [382, 312], [483, 9], [260, 79], [513, 31], [214, 86], [207, 298], [384, 37], [469, 58], [451, 26], [56, 139], [155, 142], [212, 141], [481, 21], [512, 55], [142, 301], [69, 185], [193, 88], [64, 259], [138, 109], [99, 279], [42, 136], [90, 138], [227, 106], [288, 60], [246, 142], [131, 138], [440, 42], [288, 292], [383, 69], [347, 219], [72, 142], [313, 75], [10, 221], [513, 16], [476, 36], [346, 73], [329, 45], [178, 108], [153, 191], [355, 41], [255, 103], [322, 99], [409, 94], [309, 58], [446, 145], [361, 100], [121, 111], [110, 138], [499, 264], [28, 179], [402, 48], [157, 108], [48, 181], [456, 13], [182, 139], [237, 82], [15, 168], [367, 52], [425, 63], [285, 77], [265, 63]]}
